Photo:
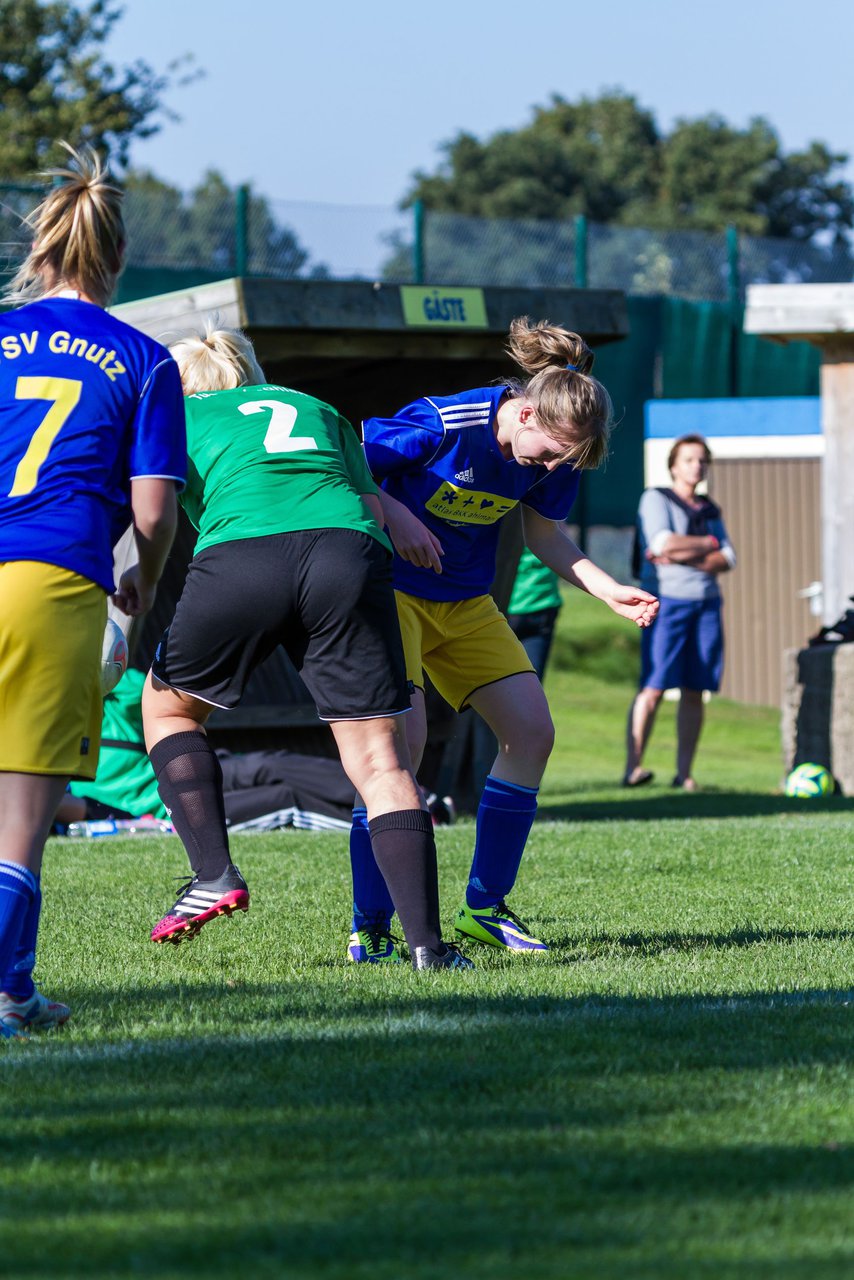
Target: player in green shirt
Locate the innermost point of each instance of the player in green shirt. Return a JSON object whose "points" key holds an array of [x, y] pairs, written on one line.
{"points": [[290, 552], [265, 460], [534, 605]]}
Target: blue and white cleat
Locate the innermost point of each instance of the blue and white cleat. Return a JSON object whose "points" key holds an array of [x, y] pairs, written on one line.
{"points": [[37, 1013], [497, 926]]}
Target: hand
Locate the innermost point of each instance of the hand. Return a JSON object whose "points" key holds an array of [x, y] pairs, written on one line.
{"points": [[632, 603], [413, 541], [135, 595]]}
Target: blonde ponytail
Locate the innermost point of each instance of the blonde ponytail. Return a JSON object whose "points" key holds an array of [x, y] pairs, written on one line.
{"points": [[78, 233], [220, 361], [572, 406]]}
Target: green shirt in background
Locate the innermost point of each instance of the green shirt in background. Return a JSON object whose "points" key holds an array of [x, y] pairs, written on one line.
{"points": [[265, 459], [125, 779], [535, 586]]}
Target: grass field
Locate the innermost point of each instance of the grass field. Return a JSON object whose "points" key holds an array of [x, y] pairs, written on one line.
{"points": [[667, 1094]]}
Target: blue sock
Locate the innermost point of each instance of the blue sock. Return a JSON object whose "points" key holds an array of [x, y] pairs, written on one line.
{"points": [[18, 980], [18, 887], [371, 898], [504, 820]]}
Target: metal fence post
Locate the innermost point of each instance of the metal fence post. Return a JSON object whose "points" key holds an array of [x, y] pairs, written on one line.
{"points": [[581, 251], [241, 231], [734, 297], [418, 269]]}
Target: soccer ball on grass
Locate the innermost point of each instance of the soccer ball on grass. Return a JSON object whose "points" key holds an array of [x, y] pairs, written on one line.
{"points": [[809, 781]]}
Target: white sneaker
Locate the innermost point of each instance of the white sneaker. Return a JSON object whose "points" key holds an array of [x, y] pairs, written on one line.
{"points": [[18, 1016]]}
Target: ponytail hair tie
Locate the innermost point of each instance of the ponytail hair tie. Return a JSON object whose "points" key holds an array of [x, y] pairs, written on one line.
{"points": [[573, 367]]}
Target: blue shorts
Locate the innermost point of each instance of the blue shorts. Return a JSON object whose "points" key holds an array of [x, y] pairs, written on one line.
{"points": [[684, 647]]}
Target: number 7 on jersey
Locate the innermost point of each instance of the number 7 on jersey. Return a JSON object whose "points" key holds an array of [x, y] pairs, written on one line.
{"points": [[65, 395]]}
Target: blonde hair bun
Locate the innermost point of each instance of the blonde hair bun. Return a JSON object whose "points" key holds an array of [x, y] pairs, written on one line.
{"points": [[221, 360], [572, 406], [78, 233]]}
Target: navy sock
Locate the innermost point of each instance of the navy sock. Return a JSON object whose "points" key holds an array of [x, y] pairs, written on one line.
{"points": [[18, 887], [372, 902], [18, 980], [504, 820]]}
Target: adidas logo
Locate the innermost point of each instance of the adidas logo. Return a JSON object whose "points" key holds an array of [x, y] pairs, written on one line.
{"points": [[466, 476]]}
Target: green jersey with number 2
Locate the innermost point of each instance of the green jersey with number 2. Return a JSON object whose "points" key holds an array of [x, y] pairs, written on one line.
{"points": [[265, 460]]}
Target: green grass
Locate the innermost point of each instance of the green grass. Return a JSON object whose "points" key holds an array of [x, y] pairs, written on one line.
{"points": [[667, 1094]]}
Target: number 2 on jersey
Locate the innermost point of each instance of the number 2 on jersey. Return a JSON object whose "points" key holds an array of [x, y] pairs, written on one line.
{"points": [[283, 417], [65, 394]]}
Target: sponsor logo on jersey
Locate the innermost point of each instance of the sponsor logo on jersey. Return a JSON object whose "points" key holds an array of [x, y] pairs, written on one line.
{"points": [[468, 506], [467, 476]]}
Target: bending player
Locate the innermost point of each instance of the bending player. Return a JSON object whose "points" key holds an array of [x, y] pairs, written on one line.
{"points": [[85, 402], [450, 468], [290, 552]]}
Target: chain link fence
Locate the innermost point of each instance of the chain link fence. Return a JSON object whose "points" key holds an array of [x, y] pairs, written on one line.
{"points": [[219, 232], [501, 251], [16, 202], [764, 260], [696, 265], [681, 264], [341, 242]]}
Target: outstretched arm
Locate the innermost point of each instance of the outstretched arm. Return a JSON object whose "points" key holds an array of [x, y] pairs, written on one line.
{"points": [[552, 544]]}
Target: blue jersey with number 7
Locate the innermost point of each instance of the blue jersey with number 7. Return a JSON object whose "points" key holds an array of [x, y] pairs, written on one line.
{"points": [[87, 404]]}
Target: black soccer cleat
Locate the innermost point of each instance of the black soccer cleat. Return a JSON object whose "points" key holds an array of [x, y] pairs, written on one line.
{"points": [[450, 957], [200, 901]]}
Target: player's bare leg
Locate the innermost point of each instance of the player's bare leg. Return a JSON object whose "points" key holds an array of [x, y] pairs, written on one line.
{"points": [[689, 724], [28, 803], [641, 719], [517, 712]]}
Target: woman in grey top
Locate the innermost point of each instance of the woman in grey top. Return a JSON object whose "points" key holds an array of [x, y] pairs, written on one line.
{"points": [[683, 546]]}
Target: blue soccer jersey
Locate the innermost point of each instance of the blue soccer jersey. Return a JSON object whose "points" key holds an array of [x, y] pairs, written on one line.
{"points": [[439, 457], [86, 405]]}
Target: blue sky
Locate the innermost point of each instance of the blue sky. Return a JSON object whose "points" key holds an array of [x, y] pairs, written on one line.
{"points": [[339, 102]]}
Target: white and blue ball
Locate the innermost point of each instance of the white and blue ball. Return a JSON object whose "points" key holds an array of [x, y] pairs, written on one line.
{"points": [[114, 656], [809, 782]]}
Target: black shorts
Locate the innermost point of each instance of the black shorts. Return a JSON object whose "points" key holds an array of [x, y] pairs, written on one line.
{"points": [[325, 595]]}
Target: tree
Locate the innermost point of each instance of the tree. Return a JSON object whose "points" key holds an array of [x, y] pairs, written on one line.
{"points": [[713, 174], [606, 158], [55, 83], [595, 157], [169, 229]]}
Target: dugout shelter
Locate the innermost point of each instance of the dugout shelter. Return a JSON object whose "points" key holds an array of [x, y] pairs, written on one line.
{"points": [[368, 348]]}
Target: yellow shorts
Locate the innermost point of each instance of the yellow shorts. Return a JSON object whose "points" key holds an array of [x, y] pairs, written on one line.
{"points": [[51, 632], [461, 644]]}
